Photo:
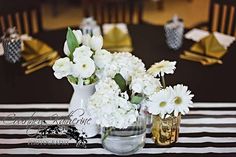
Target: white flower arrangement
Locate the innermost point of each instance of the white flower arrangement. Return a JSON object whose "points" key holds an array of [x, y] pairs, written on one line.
{"points": [[169, 100], [84, 57], [124, 85]]}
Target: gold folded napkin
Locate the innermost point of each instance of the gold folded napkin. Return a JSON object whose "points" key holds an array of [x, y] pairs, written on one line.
{"points": [[209, 46], [37, 55], [34, 48], [117, 40]]}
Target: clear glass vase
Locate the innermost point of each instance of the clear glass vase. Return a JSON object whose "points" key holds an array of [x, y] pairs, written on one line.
{"points": [[165, 131], [125, 141]]}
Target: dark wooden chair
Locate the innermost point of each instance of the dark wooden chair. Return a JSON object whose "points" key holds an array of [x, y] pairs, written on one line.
{"points": [[24, 14], [160, 4], [222, 17], [114, 11]]}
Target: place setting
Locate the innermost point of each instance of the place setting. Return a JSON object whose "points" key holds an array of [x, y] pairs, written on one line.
{"points": [[32, 53]]}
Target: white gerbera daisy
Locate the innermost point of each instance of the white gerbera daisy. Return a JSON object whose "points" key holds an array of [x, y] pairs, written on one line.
{"points": [[160, 103], [84, 68], [83, 51], [182, 99], [161, 68]]}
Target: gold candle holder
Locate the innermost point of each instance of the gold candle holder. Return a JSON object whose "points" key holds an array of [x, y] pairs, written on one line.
{"points": [[165, 131]]}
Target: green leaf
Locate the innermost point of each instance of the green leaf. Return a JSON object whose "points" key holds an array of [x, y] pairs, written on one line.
{"points": [[71, 41], [72, 79], [136, 99], [120, 82]]}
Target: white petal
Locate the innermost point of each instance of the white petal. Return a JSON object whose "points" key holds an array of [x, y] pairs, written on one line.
{"points": [[83, 51], [66, 49], [78, 36], [86, 40], [102, 58], [96, 43]]}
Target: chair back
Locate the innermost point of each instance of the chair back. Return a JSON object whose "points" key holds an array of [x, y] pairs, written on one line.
{"points": [[222, 16], [114, 11], [24, 14]]}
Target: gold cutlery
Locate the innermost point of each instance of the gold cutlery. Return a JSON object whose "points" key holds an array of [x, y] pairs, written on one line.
{"points": [[207, 59], [50, 63], [193, 59], [202, 61], [40, 57], [41, 60]]}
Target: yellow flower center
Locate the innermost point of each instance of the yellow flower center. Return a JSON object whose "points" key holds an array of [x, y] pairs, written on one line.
{"points": [[162, 104], [84, 65], [178, 100], [161, 66]]}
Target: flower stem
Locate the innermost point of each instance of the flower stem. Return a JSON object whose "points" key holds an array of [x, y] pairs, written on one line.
{"points": [[107, 133], [163, 81]]}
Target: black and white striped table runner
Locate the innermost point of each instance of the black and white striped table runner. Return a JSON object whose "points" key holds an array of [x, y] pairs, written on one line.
{"points": [[208, 128]]}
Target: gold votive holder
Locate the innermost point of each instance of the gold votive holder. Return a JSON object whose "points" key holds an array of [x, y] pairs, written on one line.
{"points": [[165, 131]]}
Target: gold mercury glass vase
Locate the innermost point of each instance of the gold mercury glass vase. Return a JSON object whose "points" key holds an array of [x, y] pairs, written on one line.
{"points": [[165, 131]]}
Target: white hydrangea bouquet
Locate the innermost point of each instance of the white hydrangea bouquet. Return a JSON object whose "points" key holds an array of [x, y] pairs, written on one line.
{"points": [[124, 85], [79, 65]]}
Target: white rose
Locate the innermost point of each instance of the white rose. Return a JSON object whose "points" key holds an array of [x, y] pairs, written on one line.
{"points": [[84, 67], [78, 36], [102, 58], [86, 39], [96, 43], [83, 51], [62, 67], [66, 49]]}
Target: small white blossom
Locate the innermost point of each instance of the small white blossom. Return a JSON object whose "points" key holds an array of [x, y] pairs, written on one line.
{"points": [[62, 67], [86, 40], [84, 67], [80, 52], [78, 36], [102, 58], [96, 43]]}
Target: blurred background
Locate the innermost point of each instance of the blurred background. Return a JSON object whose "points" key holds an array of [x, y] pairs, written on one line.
{"points": [[61, 13]]}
